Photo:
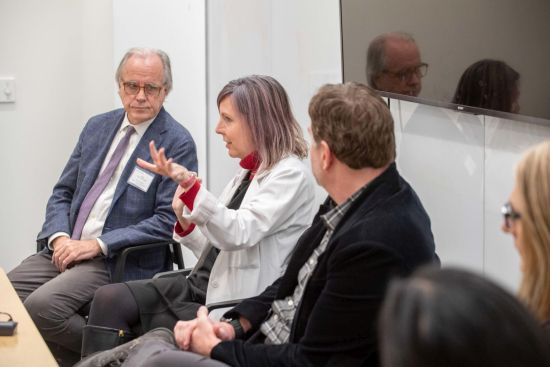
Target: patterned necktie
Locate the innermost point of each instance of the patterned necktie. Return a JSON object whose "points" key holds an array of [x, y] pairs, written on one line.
{"points": [[100, 184]]}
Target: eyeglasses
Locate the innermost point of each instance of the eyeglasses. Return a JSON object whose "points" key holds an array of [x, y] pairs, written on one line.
{"points": [[509, 214], [404, 75], [133, 88]]}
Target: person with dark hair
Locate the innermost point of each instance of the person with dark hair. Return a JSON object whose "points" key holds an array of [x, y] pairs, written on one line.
{"points": [[451, 317], [394, 64], [323, 310], [490, 84], [242, 238], [527, 219], [103, 203]]}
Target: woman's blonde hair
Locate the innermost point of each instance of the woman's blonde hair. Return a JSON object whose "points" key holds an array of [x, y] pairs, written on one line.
{"points": [[533, 184]]}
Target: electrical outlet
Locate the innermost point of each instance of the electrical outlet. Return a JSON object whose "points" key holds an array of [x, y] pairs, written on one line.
{"points": [[7, 90]]}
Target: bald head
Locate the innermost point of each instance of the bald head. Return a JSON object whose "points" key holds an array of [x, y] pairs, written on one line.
{"points": [[394, 64]]}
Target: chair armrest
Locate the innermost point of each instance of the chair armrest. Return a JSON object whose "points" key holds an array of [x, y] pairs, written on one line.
{"points": [[173, 273], [175, 250], [223, 304], [218, 309]]}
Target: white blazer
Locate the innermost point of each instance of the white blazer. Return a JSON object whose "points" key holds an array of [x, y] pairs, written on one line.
{"points": [[255, 240]]}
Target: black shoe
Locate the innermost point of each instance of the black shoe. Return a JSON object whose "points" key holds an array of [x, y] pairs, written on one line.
{"points": [[63, 356]]}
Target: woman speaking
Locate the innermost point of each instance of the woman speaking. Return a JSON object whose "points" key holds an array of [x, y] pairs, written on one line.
{"points": [[241, 238]]}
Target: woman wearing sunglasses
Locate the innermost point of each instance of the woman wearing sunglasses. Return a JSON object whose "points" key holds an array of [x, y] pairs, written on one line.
{"points": [[527, 219]]}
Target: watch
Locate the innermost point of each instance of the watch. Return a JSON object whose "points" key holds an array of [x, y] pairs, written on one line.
{"points": [[239, 331]]}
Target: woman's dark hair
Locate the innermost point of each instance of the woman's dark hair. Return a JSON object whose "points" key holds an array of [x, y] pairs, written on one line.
{"points": [[489, 84], [451, 318]]}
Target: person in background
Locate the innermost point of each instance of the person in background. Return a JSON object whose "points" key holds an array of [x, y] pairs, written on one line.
{"points": [[527, 219], [242, 239], [104, 203], [490, 84], [323, 310], [454, 318], [394, 64]]}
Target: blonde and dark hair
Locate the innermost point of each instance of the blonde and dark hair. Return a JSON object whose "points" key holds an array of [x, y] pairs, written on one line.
{"points": [[265, 106], [533, 184], [355, 123]]}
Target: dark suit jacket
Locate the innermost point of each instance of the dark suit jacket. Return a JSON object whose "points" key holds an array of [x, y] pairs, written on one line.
{"points": [[135, 217], [386, 233]]}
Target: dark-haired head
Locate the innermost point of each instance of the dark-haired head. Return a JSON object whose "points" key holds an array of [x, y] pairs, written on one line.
{"points": [[451, 317], [490, 84]]}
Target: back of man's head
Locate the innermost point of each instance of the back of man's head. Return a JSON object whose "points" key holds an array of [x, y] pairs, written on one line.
{"points": [[355, 123]]}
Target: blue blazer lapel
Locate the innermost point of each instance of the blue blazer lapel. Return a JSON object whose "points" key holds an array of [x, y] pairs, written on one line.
{"points": [[154, 132]]}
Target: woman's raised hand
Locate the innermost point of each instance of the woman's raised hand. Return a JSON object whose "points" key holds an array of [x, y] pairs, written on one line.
{"points": [[164, 166]]}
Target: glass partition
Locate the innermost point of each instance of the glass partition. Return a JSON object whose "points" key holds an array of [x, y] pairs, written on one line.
{"points": [[462, 167]]}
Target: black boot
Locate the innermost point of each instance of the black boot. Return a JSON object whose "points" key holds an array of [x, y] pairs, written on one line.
{"points": [[99, 338], [63, 356]]}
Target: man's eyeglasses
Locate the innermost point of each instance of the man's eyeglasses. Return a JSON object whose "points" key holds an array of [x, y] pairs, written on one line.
{"points": [[509, 214], [150, 90], [404, 75]]}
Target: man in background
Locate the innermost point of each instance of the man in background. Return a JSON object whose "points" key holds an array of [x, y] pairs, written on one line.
{"points": [[103, 203], [394, 64]]}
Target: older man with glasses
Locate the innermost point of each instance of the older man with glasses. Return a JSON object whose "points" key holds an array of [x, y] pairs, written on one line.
{"points": [[394, 64], [104, 203]]}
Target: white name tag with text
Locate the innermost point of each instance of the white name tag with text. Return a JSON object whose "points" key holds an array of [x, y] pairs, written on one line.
{"points": [[141, 179]]}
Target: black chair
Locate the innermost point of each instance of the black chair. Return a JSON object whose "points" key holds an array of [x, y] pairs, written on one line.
{"points": [[173, 273], [175, 253]]}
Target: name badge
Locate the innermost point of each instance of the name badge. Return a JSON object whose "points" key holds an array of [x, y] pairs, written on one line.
{"points": [[141, 179]]}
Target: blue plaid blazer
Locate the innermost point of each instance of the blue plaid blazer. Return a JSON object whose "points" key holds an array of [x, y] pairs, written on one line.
{"points": [[135, 217]]}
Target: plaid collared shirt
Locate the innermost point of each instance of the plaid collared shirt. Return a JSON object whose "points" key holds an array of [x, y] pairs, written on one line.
{"points": [[277, 327]]}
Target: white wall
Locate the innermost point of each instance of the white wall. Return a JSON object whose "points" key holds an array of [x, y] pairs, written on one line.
{"points": [[60, 52], [178, 28], [462, 168], [280, 38], [505, 142]]}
